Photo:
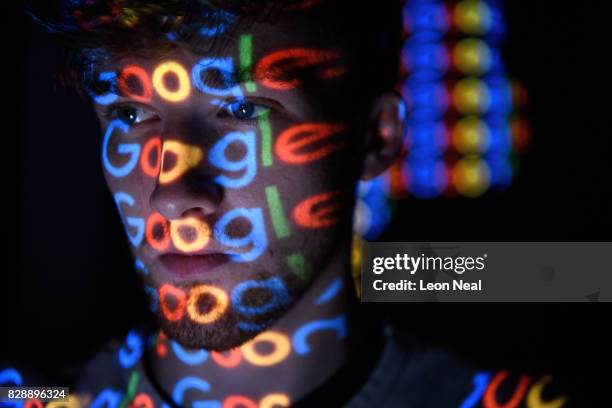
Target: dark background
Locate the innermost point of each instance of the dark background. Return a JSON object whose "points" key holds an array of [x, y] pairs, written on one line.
{"points": [[72, 286]]}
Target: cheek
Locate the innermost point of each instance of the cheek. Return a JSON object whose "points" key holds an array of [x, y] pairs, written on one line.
{"points": [[293, 186], [128, 167], [132, 166], [312, 172], [129, 196], [307, 189]]}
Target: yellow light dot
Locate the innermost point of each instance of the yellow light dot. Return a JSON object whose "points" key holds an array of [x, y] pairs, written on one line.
{"points": [[471, 176], [471, 96], [472, 56], [470, 135], [472, 16]]}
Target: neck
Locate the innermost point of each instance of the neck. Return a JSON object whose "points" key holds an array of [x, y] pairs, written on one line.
{"points": [[284, 363]]}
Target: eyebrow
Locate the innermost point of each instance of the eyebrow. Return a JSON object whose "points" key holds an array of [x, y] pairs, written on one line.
{"points": [[242, 76]]}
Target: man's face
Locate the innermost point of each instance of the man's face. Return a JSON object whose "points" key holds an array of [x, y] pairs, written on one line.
{"points": [[234, 195]]}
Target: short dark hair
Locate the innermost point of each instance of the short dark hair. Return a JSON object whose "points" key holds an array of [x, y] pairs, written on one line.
{"points": [[87, 28]]}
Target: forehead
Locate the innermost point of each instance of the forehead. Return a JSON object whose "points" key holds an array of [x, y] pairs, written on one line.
{"points": [[287, 57], [247, 39]]}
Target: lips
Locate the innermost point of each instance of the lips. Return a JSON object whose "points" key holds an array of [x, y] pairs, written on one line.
{"points": [[184, 266]]}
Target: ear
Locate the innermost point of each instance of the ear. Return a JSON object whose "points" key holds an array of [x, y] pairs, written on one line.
{"points": [[384, 136]]}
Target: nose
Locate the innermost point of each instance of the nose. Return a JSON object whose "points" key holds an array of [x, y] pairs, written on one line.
{"points": [[190, 195], [185, 183]]}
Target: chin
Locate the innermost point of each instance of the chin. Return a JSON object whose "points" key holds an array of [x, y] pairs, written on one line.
{"points": [[218, 319], [230, 331]]}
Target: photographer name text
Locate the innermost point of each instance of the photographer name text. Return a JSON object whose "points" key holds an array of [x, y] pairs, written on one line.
{"points": [[421, 285]]}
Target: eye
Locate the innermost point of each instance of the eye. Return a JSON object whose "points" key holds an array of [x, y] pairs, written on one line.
{"points": [[131, 115], [245, 110]]}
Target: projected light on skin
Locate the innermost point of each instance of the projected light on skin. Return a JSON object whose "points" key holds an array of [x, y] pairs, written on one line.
{"points": [[190, 194], [236, 191], [165, 165], [270, 350], [235, 186]]}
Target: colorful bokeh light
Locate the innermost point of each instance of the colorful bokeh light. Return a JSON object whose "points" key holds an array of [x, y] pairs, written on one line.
{"points": [[464, 121]]}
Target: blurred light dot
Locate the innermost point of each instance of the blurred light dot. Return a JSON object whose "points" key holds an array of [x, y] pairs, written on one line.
{"points": [[419, 16], [427, 178], [362, 219], [471, 135], [500, 135], [430, 136], [519, 95], [426, 96], [473, 17], [472, 57], [421, 52], [501, 170], [471, 176], [521, 133], [471, 96], [372, 211], [500, 94]]}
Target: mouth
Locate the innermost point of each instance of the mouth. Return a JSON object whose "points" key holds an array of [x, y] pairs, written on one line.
{"points": [[188, 266]]}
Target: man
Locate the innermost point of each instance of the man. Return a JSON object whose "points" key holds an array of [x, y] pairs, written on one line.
{"points": [[233, 136]]}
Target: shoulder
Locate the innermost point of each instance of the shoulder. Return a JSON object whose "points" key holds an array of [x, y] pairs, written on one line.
{"points": [[106, 377], [104, 369], [117, 375], [420, 376], [98, 377]]}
